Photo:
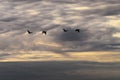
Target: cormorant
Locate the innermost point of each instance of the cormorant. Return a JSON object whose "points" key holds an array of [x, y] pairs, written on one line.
{"points": [[77, 30], [29, 32], [65, 30], [44, 32]]}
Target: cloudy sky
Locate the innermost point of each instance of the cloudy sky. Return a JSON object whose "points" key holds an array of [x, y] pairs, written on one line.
{"points": [[99, 21]]}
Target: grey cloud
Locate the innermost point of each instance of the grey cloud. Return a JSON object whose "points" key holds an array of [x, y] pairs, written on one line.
{"points": [[72, 35], [87, 40], [8, 19], [25, 0], [91, 23], [105, 11]]}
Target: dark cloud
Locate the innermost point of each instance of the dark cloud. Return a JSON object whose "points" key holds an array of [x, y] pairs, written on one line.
{"points": [[66, 70], [87, 40], [72, 35]]}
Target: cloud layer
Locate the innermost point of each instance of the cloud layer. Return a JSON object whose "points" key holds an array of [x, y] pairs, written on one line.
{"points": [[92, 17]]}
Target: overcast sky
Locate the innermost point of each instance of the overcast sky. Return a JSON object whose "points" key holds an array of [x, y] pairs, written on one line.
{"points": [[98, 20]]}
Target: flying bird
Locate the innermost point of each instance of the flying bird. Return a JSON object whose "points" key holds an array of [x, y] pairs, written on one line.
{"points": [[65, 30], [77, 30], [44, 32], [29, 32]]}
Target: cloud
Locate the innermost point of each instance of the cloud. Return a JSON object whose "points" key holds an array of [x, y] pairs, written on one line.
{"points": [[26, 0], [72, 35], [96, 34], [59, 70], [3, 56], [8, 19], [104, 11]]}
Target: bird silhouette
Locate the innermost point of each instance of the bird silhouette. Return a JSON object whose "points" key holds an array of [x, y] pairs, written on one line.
{"points": [[29, 32], [77, 30], [65, 30], [44, 32]]}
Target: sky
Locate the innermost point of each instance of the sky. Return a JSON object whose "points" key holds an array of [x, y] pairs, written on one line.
{"points": [[98, 20]]}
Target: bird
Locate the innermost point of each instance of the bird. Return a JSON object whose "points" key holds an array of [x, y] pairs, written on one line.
{"points": [[65, 30], [77, 30], [29, 32], [44, 32]]}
